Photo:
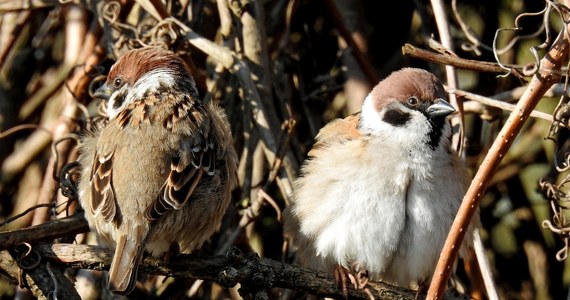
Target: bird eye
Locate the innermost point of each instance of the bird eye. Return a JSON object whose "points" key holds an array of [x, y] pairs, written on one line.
{"points": [[118, 82], [412, 101]]}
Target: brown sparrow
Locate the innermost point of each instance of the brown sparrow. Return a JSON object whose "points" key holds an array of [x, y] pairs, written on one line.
{"points": [[381, 188], [160, 172]]}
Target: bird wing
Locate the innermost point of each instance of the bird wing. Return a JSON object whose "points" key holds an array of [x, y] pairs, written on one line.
{"points": [[102, 192], [337, 131], [186, 169]]}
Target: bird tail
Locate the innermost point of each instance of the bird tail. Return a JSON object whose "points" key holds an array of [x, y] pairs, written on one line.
{"points": [[125, 264]]}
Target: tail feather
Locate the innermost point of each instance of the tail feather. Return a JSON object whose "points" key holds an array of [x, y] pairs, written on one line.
{"points": [[124, 267]]}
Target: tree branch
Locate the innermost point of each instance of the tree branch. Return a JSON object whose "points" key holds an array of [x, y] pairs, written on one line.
{"points": [[254, 273], [457, 62], [44, 232], [44, 281]]}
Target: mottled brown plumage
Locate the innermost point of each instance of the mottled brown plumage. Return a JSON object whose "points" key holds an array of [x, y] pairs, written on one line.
{"points": [[160, 172]]}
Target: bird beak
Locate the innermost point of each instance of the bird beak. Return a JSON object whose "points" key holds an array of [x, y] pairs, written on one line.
{"points": [[440, 108], [103, 92]]}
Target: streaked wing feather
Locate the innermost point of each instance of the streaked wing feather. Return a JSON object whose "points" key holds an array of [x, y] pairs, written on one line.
{"points": [[178, 179], [102, 192], [184, 176]]}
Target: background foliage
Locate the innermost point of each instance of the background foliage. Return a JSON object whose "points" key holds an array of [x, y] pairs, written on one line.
{"points": [[308, 62]]}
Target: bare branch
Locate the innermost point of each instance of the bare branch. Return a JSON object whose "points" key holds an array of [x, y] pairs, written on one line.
{"points": [[252, 272]]}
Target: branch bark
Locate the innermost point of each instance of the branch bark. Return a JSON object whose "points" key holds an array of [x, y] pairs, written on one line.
{"points": [[44, 232], [44, 281], [457, 62], [254, 273]]}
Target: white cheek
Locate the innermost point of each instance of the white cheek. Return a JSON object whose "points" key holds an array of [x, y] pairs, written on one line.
{"points": [[151, 81], [110, 109], [111, 113], [412, 135], [371, 119]]}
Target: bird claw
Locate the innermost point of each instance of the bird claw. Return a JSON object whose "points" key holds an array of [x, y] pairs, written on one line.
{"points": [[359, 280], [340, 276], [172, 253], [422, 288]]}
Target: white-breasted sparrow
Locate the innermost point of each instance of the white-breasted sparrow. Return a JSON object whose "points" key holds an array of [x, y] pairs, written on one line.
{"points": [[160, 172], [381, 188]]}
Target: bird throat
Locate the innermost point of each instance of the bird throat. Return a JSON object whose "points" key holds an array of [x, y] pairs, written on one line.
{"points": [[434, 137], [399, 118]]}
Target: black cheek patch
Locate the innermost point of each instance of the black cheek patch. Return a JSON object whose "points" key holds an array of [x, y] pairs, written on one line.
{"points": [[396, 117], [119, 100]]}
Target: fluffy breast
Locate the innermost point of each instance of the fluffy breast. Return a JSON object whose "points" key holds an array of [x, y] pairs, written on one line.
{"points": [[351, 211], [431, 205], [356, 204]]}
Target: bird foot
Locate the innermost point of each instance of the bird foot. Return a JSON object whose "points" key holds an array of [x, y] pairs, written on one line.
{"points": [[359, 279], [341, 276], [422, 288], [172, 252]]}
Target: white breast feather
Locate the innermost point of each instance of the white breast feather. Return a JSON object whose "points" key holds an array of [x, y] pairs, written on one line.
{"points": [[360, 214]]}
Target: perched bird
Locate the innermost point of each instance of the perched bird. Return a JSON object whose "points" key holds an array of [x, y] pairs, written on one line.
{"points": [[159, 174], [380, 189]]}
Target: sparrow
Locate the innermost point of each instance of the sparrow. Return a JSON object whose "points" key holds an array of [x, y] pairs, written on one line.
{"points": [[160, 172], [380, 189]]}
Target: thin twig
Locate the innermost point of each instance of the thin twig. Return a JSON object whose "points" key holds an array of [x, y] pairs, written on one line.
{"points": [[498, 104], [15, 129], [29, 209], [457, 62], [488, 281], [440, 14]]}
